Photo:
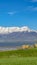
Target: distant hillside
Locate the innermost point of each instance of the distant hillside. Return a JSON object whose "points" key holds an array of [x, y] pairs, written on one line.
{"points": [[17, 34]]}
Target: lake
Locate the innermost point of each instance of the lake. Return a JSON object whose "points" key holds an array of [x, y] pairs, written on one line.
{"points": [[12, 45]]}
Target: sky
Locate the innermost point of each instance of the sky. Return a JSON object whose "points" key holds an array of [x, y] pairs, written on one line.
{"points": [[18, 13]]}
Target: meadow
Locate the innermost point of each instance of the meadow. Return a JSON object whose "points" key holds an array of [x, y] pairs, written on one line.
{"points": [[19, 57]]}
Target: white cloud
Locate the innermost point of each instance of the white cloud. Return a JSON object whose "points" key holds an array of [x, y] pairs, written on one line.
{"points": [[35, 8], [34, 0], [31, 8], [11, 13], [30, 0]]}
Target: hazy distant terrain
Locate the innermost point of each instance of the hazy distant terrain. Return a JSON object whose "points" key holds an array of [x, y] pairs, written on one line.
{"points": [[19, 37]]}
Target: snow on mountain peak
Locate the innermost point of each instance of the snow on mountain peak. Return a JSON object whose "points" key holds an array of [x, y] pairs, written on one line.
{"points": [[6, 30]]}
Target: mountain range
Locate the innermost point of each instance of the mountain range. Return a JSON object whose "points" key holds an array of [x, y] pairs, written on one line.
{"points": [[16, 34]]}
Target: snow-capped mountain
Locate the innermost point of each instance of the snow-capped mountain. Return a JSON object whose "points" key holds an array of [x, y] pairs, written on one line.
{"points": [[5, 30], [10, 34]]}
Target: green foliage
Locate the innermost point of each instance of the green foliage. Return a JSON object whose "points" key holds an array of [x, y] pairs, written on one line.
{"points": [[21, 53], [19, 57], [19, 61]]}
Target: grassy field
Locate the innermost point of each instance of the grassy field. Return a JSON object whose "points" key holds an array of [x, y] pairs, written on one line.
{"points": [[19, 61], [20, 53], [19, 57]]}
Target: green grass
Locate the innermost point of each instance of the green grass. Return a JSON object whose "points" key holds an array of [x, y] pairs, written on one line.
{"points": [[21, 53], [19, 61], [19, 57]]}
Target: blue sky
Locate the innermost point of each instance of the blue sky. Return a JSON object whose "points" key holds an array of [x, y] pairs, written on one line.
{"points": [[18, 13]]}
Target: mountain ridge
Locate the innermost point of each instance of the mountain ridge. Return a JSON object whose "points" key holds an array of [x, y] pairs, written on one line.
{"points": [[7, 30], [16, 34]]}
